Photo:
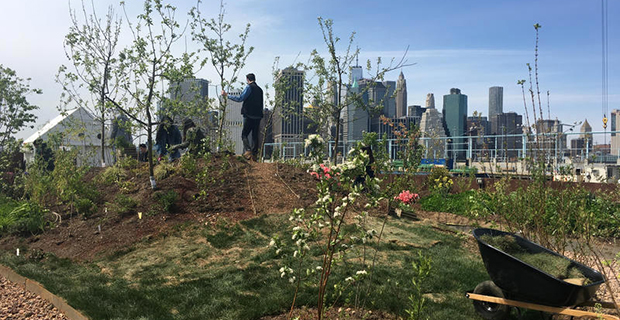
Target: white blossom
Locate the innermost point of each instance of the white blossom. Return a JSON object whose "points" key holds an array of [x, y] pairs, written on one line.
{"points": [[361, 272]]}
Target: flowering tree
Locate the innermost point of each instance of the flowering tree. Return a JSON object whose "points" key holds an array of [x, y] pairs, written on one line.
{"points": [[324, 225]]}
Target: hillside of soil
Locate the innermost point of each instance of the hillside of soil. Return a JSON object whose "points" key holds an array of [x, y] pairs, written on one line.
{"points": [[233, 190]]}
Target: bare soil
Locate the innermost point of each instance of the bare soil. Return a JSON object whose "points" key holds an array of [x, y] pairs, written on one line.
{"points": [[242, 191]]}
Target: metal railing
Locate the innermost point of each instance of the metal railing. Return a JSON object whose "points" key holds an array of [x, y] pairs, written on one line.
{"points": [[559, 148]]}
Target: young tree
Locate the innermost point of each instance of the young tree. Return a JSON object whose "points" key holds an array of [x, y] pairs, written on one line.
{"points": [[227, 58], [149, 64], [327, 88], [15, 113], [15, 110], [91, 47]]}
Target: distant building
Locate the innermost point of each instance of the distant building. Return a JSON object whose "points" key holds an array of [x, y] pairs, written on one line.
{"points": [[190, 90], [356, 73], [379, 96], [496, 101], [505, 126], [549, 134], [432, 128], [614, 119], [355, 119], [401, 96], [390, 99], [583, 145], [415, 112], [455, 119], [233, 123], [195, 93], [479, 127], [430, 101], [288, 121]]}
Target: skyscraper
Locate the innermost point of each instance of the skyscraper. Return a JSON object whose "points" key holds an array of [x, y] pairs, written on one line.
{"points": [[431, 126], [505, 126], [401, 96], [496, 101], [614, 118], [455, 118], [288, 116], [190, 90], [193, 93]]}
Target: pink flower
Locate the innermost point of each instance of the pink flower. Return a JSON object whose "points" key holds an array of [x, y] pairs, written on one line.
{"points": [[407, 197], [315, 174], [325, 168], [328, 176]]}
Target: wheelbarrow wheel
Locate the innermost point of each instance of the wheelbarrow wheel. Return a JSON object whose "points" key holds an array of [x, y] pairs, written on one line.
{"points": [[488, 310]]}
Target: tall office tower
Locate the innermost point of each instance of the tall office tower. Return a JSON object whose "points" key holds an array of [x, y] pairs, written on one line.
{"points": [[357, 120], [430, 101], [455, 118], [584, 142], [496, 101], [356, 72], [415, 112], [401, 96], [190, 90], [505, 127], [288, 117], [389, 109], [586, 130], [233, 123], [194, 93], [614, 118]]}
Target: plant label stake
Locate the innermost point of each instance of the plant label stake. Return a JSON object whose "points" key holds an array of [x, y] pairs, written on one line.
{"points": [[99, 228], [140, 215], [18, 252]]}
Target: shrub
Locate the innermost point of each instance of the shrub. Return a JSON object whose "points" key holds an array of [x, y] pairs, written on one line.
{"points": [[113, 175], [439, 181], [124, 204], [27, 217], [163, 171], [127, 163], [85, 206], [167, 199]]}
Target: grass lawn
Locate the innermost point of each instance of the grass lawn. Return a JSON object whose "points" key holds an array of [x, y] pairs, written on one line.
{"points": [[228, 272]]}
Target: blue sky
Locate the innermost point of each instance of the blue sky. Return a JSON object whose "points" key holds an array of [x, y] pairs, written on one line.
{"points": [[471, 45]]}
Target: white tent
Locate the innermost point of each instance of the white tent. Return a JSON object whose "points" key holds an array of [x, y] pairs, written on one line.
{"points": [[77, 129]]}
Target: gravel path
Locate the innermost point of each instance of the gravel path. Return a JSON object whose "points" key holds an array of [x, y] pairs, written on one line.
{"points": [[17, 303]]}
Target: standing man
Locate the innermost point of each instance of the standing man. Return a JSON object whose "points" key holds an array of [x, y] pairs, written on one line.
{"points": [[252, 111]]}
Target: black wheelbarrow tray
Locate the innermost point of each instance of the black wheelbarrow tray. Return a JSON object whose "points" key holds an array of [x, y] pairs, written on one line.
{"points": [[518, 284]]}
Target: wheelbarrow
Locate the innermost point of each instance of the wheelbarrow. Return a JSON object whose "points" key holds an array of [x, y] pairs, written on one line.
{"points": [[520, 285]]}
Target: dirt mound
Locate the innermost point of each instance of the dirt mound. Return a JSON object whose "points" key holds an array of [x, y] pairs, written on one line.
{"points": [[224, 188]]}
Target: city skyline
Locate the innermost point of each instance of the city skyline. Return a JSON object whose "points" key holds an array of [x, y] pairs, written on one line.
{"points": [[478, 46]]}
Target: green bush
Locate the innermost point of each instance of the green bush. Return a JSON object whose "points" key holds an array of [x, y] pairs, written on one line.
{"points": [[163, 171], [439, 181], [25, 217], [124, 205], [454, 203], [113, 175], [127, 163], [167, 199], [85, 206]]}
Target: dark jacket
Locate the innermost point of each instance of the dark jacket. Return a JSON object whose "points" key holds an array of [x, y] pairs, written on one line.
{"points": [[253, 105]]}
